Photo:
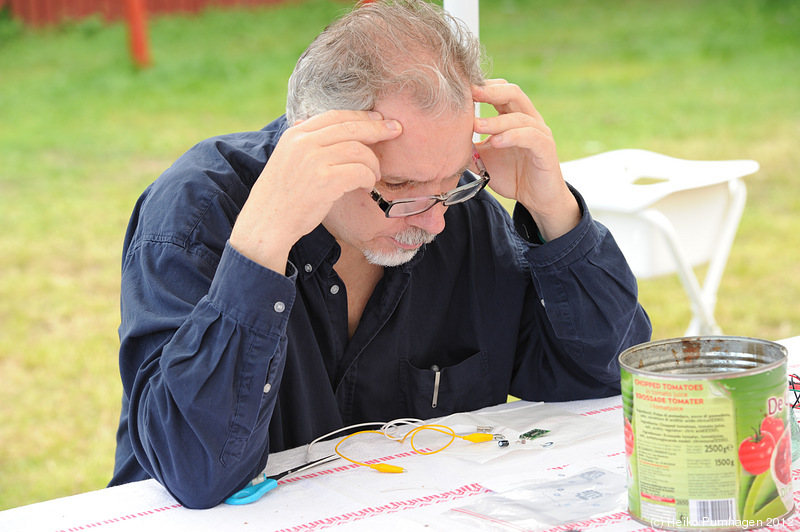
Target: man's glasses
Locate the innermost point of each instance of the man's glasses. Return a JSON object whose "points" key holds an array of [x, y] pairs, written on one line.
{"points": [[410, 206]]}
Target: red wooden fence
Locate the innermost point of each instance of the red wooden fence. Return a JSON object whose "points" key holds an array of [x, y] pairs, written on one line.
{"points": [[46, 12]]}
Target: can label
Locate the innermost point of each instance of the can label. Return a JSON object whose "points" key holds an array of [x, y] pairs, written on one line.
{"points": [[708, 453]]}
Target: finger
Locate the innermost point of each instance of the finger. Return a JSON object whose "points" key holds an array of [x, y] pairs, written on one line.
{"points": [[347, 177], [486, 82], [334, 117], [497, 124], [506, 98], [333, 127], [528, 138], [365, 131], [354, 152]]}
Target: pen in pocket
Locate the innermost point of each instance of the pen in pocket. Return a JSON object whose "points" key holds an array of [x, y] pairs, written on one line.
{"points": [[436, 378]]}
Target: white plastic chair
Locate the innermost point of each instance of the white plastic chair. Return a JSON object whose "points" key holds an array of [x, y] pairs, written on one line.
{"points": [[668, 215]]}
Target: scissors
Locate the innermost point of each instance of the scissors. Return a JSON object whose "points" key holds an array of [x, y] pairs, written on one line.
{"points": [[260, 486]]}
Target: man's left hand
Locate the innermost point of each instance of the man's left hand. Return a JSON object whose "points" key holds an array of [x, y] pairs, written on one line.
{"points": [[521, 156]]}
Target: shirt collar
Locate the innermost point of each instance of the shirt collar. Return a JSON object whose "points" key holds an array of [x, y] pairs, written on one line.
{"points": [[317, 249]]}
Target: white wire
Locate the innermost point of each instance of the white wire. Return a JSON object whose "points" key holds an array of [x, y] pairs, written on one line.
{"points": [[388, 428], [393, 426]]}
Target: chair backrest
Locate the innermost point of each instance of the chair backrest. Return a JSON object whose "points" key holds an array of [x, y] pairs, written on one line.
{"points": [[639, 195]]}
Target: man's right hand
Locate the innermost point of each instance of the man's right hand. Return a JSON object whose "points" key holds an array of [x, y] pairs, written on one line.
{"points": [[315, 163]]}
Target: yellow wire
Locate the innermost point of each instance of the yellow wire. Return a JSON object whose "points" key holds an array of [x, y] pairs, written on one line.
{"points": [[476, 437], [336, 449], [436, 428], [381, 467]]}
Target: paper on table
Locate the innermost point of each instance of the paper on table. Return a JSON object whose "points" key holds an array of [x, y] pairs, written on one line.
{"points": [[565, 429], [543, 505]]}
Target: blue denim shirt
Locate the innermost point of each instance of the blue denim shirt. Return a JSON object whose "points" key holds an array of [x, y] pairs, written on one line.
{"points": [[224, 361]]}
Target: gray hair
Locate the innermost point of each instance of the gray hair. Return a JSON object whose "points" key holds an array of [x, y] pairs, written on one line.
{"points": [[382, 49]]}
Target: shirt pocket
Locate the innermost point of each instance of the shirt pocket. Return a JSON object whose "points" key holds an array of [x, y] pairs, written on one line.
{"points": [[438, 391]]}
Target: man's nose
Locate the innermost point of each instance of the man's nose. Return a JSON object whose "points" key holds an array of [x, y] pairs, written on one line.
{"points": [[431, 220]]}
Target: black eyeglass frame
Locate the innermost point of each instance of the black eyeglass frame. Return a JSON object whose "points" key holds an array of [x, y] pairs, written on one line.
{"points": [[479, 184]]}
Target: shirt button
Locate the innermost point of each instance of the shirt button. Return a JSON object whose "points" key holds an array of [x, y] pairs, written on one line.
{"points": [[267, 387], [335, 289], [308, 268], [279, 307]]}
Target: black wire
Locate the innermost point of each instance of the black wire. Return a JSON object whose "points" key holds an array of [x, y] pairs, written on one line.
{"points": [[794, 387]]}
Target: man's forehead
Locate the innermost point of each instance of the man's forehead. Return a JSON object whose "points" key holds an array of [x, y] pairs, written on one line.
{"points": [[403, 107], [401, 177], [431, 145], [422, 160]]}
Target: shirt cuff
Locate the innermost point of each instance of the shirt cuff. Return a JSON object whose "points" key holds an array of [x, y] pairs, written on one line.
{"points": [[568, 247], [526, 227], [251, 294]]}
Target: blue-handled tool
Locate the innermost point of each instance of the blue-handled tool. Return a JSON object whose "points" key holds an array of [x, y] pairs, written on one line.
{"points": [[259, 487]]}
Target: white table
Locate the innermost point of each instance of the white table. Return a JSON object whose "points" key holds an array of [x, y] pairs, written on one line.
{"points": [[457, 489]]}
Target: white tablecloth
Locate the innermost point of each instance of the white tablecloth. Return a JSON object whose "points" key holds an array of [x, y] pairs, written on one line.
{"points": [[465, 487]]}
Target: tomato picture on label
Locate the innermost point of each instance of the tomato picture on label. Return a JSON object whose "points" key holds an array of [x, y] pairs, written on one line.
{"points": [[629, 440], [772, 425], [783, 460], [755, 452]]}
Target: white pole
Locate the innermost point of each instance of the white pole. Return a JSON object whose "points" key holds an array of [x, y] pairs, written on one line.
{"points": [[468, 12]]}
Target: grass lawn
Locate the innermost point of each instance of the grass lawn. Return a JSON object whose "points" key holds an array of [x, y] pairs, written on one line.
{"points": [[82, 133]]}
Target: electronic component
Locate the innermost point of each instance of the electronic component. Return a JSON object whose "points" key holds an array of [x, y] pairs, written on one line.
{"points": [[533, 434]]}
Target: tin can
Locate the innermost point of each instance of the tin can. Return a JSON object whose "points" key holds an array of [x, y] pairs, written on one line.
{"points": [[707, 433]]}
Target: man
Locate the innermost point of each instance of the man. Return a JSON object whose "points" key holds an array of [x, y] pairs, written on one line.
{"points": [[283, 283]]}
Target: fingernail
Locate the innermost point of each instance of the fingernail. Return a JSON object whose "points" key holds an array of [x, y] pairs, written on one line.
{"points": [[392, 125], [375, 115], [482, 122]]}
